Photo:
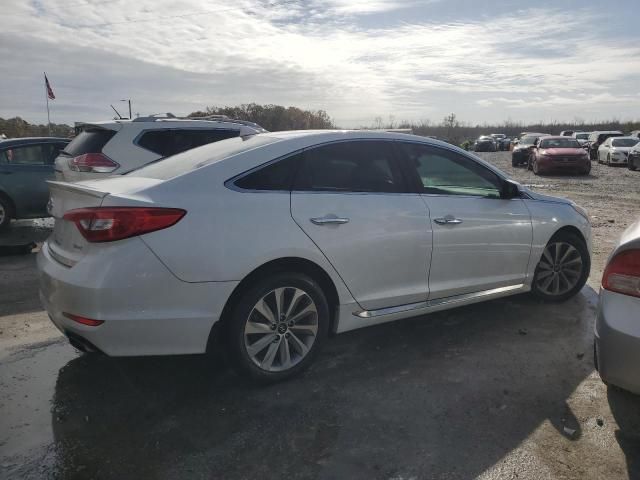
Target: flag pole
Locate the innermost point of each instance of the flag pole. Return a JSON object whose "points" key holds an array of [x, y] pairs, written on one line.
{"points": [[46, 96]]}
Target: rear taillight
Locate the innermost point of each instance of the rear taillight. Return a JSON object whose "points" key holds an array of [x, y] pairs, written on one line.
{"points": [[83, 320], [92, 162], [107, 224], [622, 275]]}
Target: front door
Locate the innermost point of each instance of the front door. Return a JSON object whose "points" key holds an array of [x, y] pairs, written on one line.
{"points": [[350, 199], [480, 241]]}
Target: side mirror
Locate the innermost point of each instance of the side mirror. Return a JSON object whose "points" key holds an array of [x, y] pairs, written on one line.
{"points": [[510, 189]]}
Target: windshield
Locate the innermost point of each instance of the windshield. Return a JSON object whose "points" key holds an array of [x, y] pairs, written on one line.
{"points": [[566, 142], [624, 142], [528, 140], [191, 159]]}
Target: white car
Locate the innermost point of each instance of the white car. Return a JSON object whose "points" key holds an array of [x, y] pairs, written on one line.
{"points": [[615, 150], [617, 331], [116, 147], [581, 137], [270, 241]]}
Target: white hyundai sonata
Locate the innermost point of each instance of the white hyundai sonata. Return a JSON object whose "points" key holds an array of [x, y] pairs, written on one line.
{"points": [[269, 242]]}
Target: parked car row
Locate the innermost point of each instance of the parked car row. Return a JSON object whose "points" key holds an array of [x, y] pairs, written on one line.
{"points": [[573, 151], [491, 143]]}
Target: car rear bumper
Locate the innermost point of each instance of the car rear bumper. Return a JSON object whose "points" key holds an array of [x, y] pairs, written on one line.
{"points": [[146, 310], [617, 339]]}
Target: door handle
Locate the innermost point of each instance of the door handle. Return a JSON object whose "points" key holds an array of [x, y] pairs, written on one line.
{"points": [[329, 220], [448, 220]]}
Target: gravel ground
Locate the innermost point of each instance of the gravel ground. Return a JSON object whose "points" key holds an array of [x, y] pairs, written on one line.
{"points": [[501, 389]]}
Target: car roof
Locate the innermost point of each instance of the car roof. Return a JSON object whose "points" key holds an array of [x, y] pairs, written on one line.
{"points": [[600, 132], [29, 140], [159, 122]]}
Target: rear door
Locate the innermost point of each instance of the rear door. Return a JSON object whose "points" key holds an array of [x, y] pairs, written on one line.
{"points": [[480, 241], [351, 199], [24, 170]]}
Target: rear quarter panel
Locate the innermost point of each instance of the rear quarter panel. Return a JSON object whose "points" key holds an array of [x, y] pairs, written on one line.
{"points": [[226, 234]]}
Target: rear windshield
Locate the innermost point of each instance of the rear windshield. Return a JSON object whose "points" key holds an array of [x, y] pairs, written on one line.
{"points": [[566, 142], [624, 142], [582, 136], [198, 157], [89, 141]]}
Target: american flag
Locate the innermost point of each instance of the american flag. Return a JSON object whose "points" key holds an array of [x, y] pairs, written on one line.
{"points": [[49, 89]]}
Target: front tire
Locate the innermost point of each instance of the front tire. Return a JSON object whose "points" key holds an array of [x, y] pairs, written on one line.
{"points": [[277, 327], [563, 268], [535, 168], [608, 160]]}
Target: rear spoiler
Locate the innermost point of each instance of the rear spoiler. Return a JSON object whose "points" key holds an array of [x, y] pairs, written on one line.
{"points": [[77, 188]]}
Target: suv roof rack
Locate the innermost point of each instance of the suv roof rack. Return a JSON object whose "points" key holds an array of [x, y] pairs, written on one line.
{"points": [[208, 118]]}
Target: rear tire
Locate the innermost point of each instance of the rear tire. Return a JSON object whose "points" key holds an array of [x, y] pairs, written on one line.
{"points": [[262, 318], [563, 268], [6, 212]]}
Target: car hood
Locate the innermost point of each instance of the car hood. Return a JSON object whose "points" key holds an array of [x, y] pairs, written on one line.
{"points": [[562, 151]]}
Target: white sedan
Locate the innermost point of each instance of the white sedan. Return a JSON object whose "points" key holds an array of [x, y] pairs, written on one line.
{"points": [[615, 150], [268, 242]]}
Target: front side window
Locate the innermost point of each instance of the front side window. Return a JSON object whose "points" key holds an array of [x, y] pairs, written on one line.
{"points": [[171, 142], [353, 166], [448, 173]]}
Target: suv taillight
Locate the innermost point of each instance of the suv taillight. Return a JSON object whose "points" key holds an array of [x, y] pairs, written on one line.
{"points": [[622, 275], [92, 162], [107, 224]]}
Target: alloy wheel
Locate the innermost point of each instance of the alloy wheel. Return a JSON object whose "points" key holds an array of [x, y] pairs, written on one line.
{"points": [[281, 329], [560, 269]]}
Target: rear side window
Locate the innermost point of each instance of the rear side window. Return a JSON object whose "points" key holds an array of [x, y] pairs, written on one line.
{"points": [[356, 166], [89, 141], [276, 176], [170, 142]]}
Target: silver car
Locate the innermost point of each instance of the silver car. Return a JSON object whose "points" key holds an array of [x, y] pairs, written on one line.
{"points": [[264, 244], [617, 333]]}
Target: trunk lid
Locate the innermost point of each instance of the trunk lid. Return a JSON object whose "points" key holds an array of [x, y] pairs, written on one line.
{"points": [[66, 244]]}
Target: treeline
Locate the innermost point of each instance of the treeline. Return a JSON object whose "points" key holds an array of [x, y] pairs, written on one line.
{"points": [[273, 117], [17, 127]]}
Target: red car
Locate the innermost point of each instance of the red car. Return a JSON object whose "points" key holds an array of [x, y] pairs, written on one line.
{"points": [[559, 154]]}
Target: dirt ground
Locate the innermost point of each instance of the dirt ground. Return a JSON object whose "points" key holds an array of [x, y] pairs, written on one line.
{"points": [[499, 390]]}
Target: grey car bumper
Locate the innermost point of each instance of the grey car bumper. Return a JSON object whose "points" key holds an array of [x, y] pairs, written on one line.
{"points": [[617, 338]]}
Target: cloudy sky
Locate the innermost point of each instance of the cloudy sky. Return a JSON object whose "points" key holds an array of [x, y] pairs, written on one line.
{"points": [[356, 59]]}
